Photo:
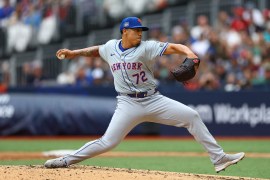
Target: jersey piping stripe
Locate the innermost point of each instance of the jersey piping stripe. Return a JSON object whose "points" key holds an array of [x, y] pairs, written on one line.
{"points": [[162, 51], [126, 70], [121, 68]]}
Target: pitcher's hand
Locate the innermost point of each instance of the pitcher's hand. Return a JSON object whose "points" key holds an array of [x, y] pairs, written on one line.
{"points": [[65, 54]]}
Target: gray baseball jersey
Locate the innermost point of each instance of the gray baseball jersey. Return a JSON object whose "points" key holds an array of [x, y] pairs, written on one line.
{"points": [[133, 68], [133, 72]]}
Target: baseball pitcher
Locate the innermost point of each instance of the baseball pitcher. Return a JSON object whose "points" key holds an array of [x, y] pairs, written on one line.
{"points": [[131, 62]]}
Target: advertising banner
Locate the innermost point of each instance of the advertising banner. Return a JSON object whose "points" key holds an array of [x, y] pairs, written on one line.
{"points": [[225, 114]]}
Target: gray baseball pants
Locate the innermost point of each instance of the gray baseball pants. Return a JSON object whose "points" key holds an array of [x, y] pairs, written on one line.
{"points": [[155, 108]]}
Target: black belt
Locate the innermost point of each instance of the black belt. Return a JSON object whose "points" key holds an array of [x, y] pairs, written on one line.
{"points": [[140, 94]]}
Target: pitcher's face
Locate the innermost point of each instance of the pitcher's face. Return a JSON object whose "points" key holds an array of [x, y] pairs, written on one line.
{"points": [[133, 36]]}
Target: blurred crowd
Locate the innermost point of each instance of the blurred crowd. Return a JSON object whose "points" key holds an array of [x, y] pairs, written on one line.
{"points": [[235, 49], [28, 23]]}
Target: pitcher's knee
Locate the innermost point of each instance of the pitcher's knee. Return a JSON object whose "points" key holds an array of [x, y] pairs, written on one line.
{"points": [[196, 115], [109, 144], [195, 118]]}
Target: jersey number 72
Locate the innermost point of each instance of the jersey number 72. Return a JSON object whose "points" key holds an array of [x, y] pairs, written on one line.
{"points": [[140, 76]]}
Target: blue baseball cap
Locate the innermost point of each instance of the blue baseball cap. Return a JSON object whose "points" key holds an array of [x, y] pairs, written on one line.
{"points": [[132, 23]]}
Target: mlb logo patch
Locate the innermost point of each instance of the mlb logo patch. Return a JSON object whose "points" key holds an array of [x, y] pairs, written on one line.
{"points": [[126, 24], [139, 20]]}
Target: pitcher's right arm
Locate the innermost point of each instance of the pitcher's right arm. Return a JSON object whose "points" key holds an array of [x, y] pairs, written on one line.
{"points": [[92, 51]]}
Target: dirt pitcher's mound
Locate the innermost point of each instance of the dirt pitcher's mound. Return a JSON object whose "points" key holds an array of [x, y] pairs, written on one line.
{"points": [[98, 173]]}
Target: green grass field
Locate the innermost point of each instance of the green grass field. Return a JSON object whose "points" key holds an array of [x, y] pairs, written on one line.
{"points": [[249, 167]]}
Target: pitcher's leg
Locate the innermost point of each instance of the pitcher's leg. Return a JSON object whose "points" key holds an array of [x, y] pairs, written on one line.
{"points": [[174, 113], [197, 128], [125, 118]]}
